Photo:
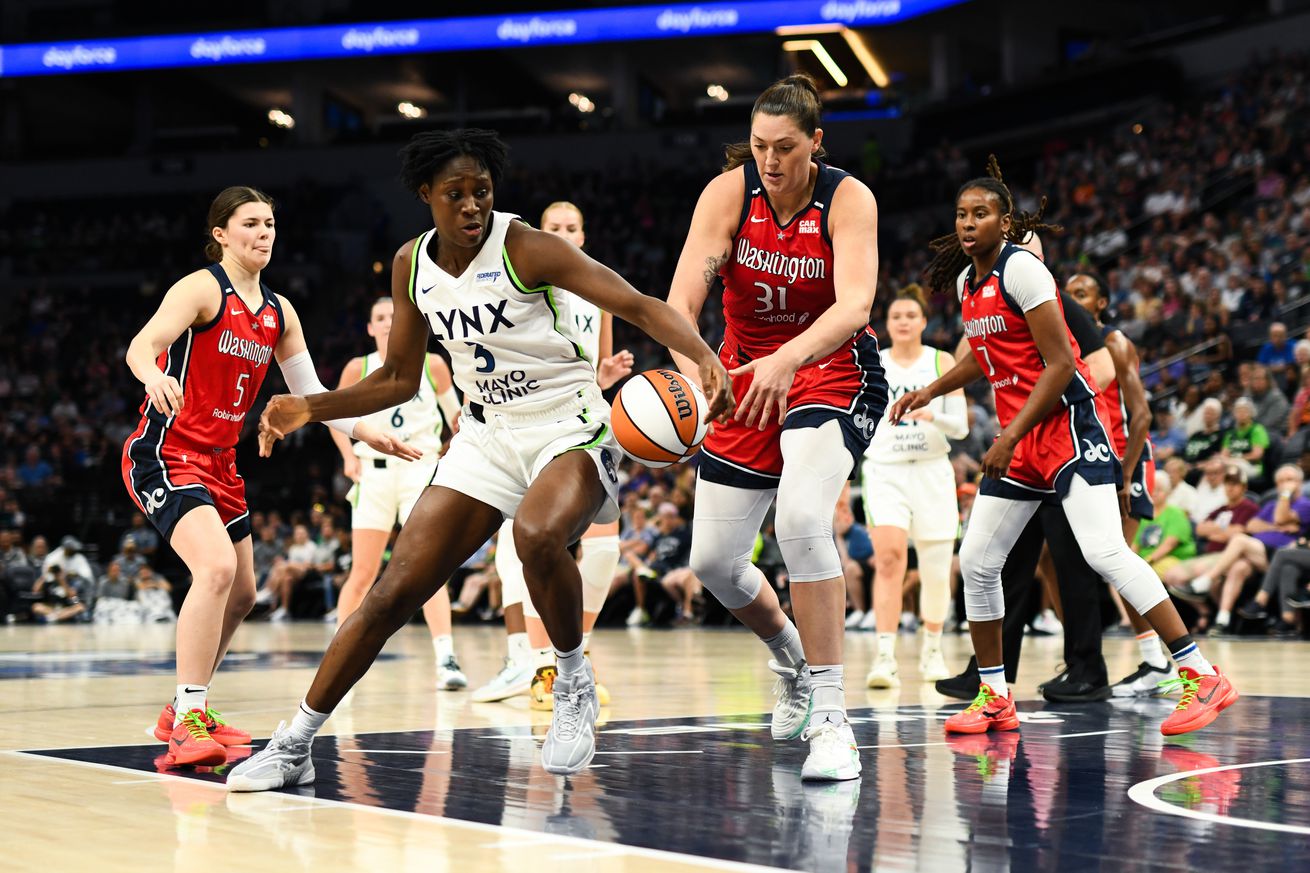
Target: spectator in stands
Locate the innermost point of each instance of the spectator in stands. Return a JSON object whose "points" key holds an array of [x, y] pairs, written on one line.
{"points": [[59, 601], [38, 551], [1216, 529], [11, 550], [145, 537], [35, 471], [129, 557], [1165, 541], [155, 596], [1182, 494], [1298, 416], [1271, 406], [69, 559], [1167, 436], [1279, 523], [114, 585], [1209, 440], [1277, 353], [670, 556], [1246, 442], [286, 575], [1284, 580], [479, 575], [1211, 492], [856, 550]]}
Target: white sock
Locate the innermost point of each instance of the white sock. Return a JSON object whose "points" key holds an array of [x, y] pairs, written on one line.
{"points": [[307, 722], [994, 678], [932, 640], [187, 698], [569, 663], [1149, 644], [444, 646], [1189, 655], [887, 645], [1201, 584], [786, 646], [518, 648], [829, 695], [1223, 617], [543, 657]]}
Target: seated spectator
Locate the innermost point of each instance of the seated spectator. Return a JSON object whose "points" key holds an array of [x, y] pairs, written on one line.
{"points": [[479, 575], [129, 556], [1166, 540], [114, 585], [1181, 494], [1279, 523], [145, 537], [155, 596], [1285, 579], [1211, 493], [1271, 406], [76, 568], [1167, 436], [1277, 353], [11, 550], [670, 557], [35, 471], [1247, 440], [38, 551], [1215, 530], [1209, 440], [856, 549], [59, 599], [287, 574]]}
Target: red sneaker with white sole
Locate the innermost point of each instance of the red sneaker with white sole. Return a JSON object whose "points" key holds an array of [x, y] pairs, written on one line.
{"points": [[988, 712]]}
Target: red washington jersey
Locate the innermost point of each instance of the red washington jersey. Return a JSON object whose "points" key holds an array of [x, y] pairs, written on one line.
{"points": [[994, 322], [778, 279], [220, 366]]}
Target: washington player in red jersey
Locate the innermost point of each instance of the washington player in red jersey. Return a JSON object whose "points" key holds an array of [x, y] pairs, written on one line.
{"points": [[1053, 447], [795, 243], [1129, 417], [202, 358]]}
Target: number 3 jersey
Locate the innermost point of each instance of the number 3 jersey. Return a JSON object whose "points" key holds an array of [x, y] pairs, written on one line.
{"points": [[512, 348], [417, 421]]}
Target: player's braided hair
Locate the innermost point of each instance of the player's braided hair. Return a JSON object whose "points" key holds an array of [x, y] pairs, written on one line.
{"points": [[426, 153], [949, 259]]}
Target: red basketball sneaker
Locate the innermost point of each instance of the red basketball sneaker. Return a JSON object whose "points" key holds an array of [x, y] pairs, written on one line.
{"points": [[988, 712], [221, 731], [1204, 697], [190, 743]]}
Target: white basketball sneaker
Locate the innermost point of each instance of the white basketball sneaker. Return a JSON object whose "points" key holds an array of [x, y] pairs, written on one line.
{"points": [[791, 712], [283, 762], [884, 673], [833, 756], [449, 676], [932, 666], [571, 742], [512, 680]]}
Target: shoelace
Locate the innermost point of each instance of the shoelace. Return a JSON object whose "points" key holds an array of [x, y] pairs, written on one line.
{"points": [[195, 725], [568, 713], [213, 716], [1190, 688], [985, 696]]}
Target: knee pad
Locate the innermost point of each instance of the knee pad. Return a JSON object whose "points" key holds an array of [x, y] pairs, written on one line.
{"points": [[732, 579], [509, 568], [1128, 572], [981, 570], [815, 464], [934, 579], [600, 558], [806, 541]]}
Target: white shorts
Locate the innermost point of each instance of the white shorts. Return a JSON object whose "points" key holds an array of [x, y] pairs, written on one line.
{"points": [[495, 460], [385, 496], [916, 496]]}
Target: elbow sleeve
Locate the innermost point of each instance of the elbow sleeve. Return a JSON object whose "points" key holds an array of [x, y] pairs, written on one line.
{"points": [[302, 378]]}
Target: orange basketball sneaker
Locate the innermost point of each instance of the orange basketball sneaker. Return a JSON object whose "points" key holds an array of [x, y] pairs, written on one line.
{"points": [[190, 743], [1204, 697], [988, 712], [221, 731]]}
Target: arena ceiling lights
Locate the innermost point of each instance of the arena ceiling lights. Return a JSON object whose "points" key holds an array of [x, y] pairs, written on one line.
{"points": [[463, 34]]}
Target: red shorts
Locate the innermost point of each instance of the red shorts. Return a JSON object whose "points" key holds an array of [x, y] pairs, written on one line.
{"points": [[167, 478], [848, 386], [1070, 440]]}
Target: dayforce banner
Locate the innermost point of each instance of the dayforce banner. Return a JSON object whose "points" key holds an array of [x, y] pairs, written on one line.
{"points": [[449, 34]]}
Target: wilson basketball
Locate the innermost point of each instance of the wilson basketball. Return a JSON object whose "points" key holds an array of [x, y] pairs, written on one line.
{"points": [[658, 418]]}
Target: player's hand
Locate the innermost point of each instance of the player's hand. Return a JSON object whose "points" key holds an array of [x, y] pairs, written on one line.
{"points": [[614, 368], [996, 462], [351, 467], [923, 414], [165, 395], [284, 414], [454, 425], [387, 444], [1125, 499], [717, 388], [772, 377], [907, 403]]}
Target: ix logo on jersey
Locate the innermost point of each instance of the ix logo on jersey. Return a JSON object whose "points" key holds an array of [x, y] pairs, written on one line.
{"points": [[461, 324]]}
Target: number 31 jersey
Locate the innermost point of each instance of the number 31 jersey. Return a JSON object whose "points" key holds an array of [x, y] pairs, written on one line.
{"points": [[417, 421], [511, 347], [778, 278]]}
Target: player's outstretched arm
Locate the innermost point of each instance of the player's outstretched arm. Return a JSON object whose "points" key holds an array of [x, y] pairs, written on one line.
{"points": [[707, 249], [193, 300], [541, 258], [350, 374]]}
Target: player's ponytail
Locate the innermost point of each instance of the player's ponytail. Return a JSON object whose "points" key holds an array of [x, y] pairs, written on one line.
{"points": [[795, 97], [914, 293], [228, 201], [949, 259]]}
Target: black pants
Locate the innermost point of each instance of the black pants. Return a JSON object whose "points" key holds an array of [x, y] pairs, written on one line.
{"points": [[1080, 595]]}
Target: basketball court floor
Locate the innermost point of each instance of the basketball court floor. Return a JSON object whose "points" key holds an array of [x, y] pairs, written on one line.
{"points": [[686, 777]]}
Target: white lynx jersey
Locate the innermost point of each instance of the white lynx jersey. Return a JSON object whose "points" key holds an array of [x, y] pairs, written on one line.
{"points": [[417, 421], [910, 440], [512, 348], [586, 326]]}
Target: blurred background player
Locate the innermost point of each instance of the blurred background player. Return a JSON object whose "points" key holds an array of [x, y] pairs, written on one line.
{"points": [[909, 492], [795, 244], [202, 358], [529, 661], [386, 490]]}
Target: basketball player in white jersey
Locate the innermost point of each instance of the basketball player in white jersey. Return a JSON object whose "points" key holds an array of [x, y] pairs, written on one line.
{"points": [[385, 491], [534, 442], [534, 673], [909, 491]]}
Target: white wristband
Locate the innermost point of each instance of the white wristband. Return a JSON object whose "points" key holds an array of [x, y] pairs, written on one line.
{"points": [[301, 377]]}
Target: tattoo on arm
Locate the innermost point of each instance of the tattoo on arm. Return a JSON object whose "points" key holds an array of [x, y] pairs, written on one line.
{"points": [[712, 265]]}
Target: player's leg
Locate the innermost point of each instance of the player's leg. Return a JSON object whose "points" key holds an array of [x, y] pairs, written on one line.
{"points": [[373, 513], [240, 600], [436, 612], [597, 563], [515, 676], [815, 465], [890, 544], [1093, 517], [934, 602], [366, 549], [446, 528], [995, 524]]}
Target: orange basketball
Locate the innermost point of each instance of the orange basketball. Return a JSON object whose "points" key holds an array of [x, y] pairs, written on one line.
{"points": [[658, 418]]}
